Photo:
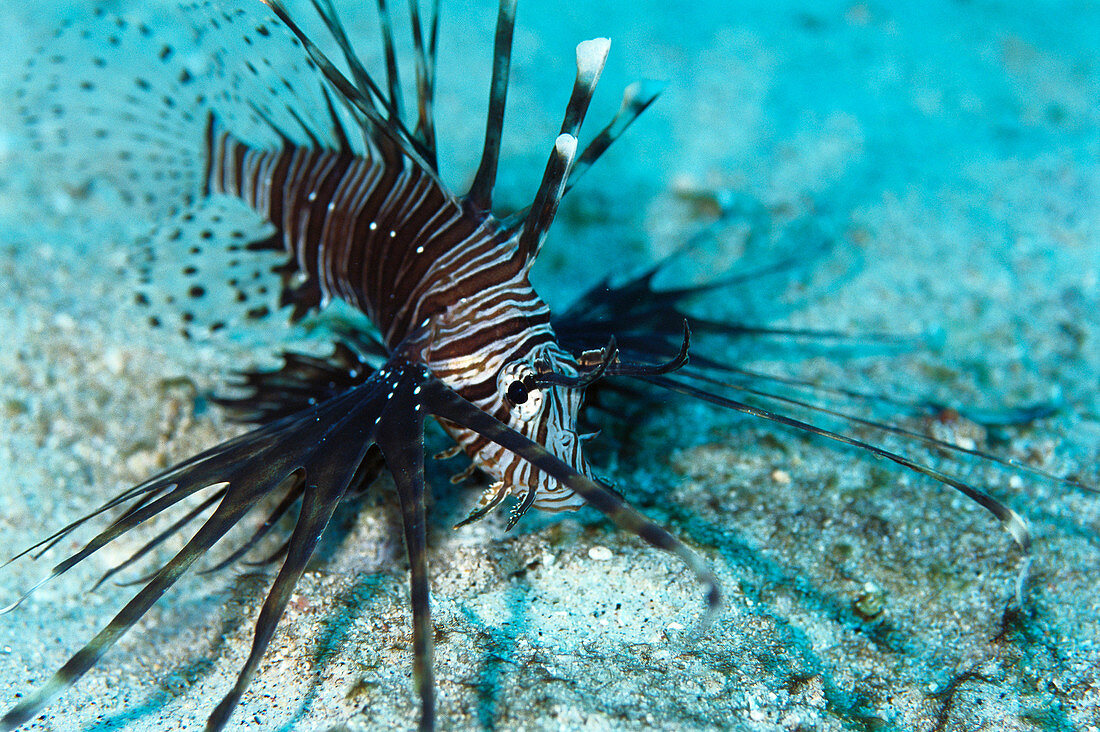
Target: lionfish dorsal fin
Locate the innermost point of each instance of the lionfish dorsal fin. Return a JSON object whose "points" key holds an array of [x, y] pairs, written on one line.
{"points": [[383, 127], [480, 195], [636, 99], [591, 57], [425, 76]]}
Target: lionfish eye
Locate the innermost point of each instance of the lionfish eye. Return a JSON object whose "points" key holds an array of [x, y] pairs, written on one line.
{"points": [[520, 391], [517, 392]]}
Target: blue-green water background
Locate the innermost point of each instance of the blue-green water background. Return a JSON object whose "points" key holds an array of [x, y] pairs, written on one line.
{"points": [[951, 147]]}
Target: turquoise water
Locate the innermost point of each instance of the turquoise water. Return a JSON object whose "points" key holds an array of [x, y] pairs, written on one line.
{"points": [[951, 151]]}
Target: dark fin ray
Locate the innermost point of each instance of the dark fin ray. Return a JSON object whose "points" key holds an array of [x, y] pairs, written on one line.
{"points": [[541, 213], [393, 76], [223, 519], [285, 140], [401, 438], [425, 80], [271, 558], [219, 464], [365, 84], [1010, 520], [445, 403], [301, 382], [327, 11], [319, 500], [326, 443], [591, 57], [638, 305], [433, 44], [876, 424], [636, 99], [480, 195], [311, 136], [338, 130], [284, 505], [159, 539], [40, 547], [391, 134]]}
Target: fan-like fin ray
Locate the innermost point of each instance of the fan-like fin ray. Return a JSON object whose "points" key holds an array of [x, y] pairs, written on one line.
{"points": [[159, 539], [1010, 520], [264, 529], [319, 499], [324, 445], [223, 519], [401, 438]]}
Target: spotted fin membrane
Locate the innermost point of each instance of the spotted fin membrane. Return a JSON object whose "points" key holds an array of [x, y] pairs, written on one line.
{"points": [[322, 428]]}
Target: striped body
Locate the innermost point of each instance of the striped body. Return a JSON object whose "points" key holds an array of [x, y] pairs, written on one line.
{"points": [[389, 239]]}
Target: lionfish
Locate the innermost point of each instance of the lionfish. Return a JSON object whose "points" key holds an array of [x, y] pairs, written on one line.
{"points": [[351, 187]]}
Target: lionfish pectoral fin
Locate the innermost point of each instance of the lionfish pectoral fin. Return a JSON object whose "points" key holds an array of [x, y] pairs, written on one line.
{"points": [[1011, 521], [216, 270], [401, 439], [387, 413], [316, 454], [446, 403]]}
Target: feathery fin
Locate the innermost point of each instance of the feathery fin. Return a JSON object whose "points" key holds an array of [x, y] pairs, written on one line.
{"points": [[318, 454]]}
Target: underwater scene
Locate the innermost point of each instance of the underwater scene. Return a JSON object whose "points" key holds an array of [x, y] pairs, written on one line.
{"points": [[859, 491]]}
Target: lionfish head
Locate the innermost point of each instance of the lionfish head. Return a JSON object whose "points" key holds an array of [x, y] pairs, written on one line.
{"points": [[543, 392]]}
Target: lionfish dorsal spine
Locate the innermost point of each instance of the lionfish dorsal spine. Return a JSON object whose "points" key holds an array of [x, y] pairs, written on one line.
{"points": [[591, 57], [480, 195]]}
